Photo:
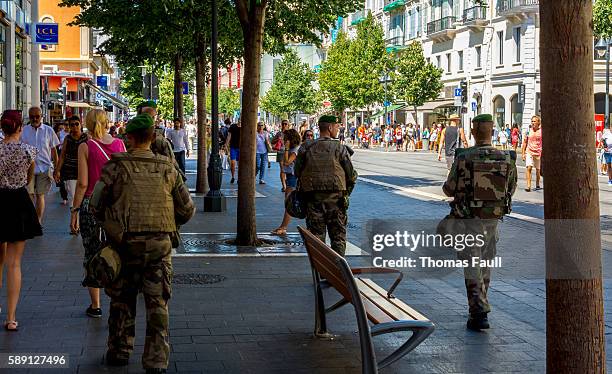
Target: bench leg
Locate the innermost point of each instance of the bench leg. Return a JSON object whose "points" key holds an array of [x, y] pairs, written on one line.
{"points": [[420, 331], [320, 319]]}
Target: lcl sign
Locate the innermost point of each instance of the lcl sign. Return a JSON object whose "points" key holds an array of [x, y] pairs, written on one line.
{"points": [[47, 33]]}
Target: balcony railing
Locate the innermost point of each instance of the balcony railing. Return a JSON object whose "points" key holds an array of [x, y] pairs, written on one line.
{"points": [[395, 40], [506, 6], [475, 13], [441, 24]]}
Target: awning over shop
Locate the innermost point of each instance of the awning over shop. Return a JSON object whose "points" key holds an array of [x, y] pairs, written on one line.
{"points": [[396, 4], [435, 104], [390, 109], [358, 20], [395, 48], [55, 83], [77, 104], [116, 102]]}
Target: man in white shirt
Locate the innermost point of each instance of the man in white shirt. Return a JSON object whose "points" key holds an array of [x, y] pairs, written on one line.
{"points": [[45, 140], [180, 142]]}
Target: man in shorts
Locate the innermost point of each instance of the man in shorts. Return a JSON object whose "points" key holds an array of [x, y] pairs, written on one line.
{"points": [[233, 141], [45, 140], [531, 151]]}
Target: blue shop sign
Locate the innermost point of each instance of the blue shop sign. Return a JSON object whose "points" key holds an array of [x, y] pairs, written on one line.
{"points": [[102, 81], [47, 33]]}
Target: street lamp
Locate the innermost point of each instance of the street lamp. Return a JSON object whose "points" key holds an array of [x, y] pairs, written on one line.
{"points": [[603, 48], [214, 201], [385, 80]]}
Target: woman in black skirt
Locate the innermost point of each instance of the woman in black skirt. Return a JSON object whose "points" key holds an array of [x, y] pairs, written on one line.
{"points": [[21, 223]]}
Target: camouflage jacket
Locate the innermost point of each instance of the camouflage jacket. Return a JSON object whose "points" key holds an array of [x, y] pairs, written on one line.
{"points": [[482, 181]]}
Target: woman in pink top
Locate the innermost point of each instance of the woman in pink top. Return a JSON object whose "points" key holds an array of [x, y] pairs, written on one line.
{"points": [[93, 155], [532, 152]]}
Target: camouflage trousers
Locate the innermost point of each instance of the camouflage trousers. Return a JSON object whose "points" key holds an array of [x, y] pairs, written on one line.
{"points": [[477, 279], [146, 267], [325, 213]]}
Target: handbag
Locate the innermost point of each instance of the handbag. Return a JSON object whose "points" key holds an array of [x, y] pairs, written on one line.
{"points": [[295, 205], [278, 143], [104, 267]]}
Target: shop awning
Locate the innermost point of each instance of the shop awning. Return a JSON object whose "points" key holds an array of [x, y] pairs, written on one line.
{"points": [[358, 20], [395, 48], [78, 104], [435, 104], [390, 109], [116, 102], [396, 4]]}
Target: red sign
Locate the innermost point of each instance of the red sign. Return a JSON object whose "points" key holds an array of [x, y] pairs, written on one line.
{"points": [[599, 122], [327, 103]]}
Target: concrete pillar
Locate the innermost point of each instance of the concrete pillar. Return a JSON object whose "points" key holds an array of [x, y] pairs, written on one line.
{"points": [[35, 60]]}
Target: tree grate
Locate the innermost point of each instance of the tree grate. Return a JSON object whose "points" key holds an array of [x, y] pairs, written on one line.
{"points": [[197, 278]]}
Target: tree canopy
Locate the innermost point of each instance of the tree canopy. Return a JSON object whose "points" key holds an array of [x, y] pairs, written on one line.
{"points": [[602, 18], [416, 80], [229, 101], [334, 78], [292, 90]]}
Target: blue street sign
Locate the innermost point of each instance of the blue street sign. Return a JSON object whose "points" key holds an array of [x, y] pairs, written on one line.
{"points": [[458, 92], [47, 33], [185, 88], [102, 81], [386, 103], [474, 107]]}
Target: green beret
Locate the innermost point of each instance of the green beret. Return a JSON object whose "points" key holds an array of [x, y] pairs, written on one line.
{"points": [[483, 118], [140, 122], [328, 119], [147, 104]]}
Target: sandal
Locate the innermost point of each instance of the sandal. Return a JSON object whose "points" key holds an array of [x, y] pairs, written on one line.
{"points": [[11, 326], [279, 232]]}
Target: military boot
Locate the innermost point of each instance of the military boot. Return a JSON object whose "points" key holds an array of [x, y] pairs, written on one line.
{"points": [[155, 371], [478, 321]]}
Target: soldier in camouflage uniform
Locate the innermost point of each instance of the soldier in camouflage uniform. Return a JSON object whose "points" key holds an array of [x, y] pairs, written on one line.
{"points": [[482, 181], [141, 204], [326, 178]]}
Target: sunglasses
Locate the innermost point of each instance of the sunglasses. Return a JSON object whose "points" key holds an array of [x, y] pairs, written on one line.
{"points": [[74, 124], [34, 117]]}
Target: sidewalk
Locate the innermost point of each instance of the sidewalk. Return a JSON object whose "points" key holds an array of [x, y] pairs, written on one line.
{"points": [[259, 317]]}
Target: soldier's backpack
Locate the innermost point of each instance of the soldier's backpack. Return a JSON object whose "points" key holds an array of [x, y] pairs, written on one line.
{"points": [[486, 192]]}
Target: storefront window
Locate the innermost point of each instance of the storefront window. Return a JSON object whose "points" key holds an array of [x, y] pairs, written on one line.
{"points": [[499, 106], [517, 110], [19, 59], [2, 52]]}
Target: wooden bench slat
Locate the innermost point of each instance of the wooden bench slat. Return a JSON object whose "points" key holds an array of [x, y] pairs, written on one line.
{"points": [[380, 296], [375, 314]]}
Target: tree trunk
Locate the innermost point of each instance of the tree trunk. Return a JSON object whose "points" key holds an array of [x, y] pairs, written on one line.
{"points": [[200, 67], [416, 113], [575, 341], [178, 86], [253, 46]]}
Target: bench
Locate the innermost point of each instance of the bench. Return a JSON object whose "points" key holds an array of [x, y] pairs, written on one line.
{"points": [[371, 302]]}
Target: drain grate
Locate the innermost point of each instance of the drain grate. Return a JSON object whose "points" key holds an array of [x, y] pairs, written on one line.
{"points": [[197, 278], [197, 242]]}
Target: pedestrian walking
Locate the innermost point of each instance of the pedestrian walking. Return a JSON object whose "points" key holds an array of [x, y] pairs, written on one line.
{"points": [[159, 201], [233, 148], [292, 141], [308, 135], [19, 220], [61, 135], [480, 199], [606, 140], [192, 134], [503, 139], [67, 166], [263, 146], [326, 179], [279, 147], [44, 139], [451, 138], [178, 137], [515, 136], [531, 152], [92, 156], [425, 136]]}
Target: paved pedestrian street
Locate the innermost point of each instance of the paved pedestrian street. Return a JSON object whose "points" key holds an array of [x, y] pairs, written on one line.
{"points": [[237, 313]]}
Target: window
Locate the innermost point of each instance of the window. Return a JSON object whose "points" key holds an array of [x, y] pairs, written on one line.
{"points": [[438, 62], [19, 59], [449, 65], [500, 44], [478, 56], [517, 44], [460, 60], [2, 51]]}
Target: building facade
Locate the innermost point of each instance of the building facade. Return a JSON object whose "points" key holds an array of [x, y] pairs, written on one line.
{"points": [[494, 48], [74, 77], [18, 84]]}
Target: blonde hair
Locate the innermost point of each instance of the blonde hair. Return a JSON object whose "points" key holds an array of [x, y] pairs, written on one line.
{"points": [[96, 123]]}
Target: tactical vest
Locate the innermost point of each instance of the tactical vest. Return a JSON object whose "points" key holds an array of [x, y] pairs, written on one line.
{"points": [[483, 189], [322, 169], [145, 203]]}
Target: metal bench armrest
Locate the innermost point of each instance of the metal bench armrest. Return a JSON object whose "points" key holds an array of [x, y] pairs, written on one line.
{"points": [[375, 270]]}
